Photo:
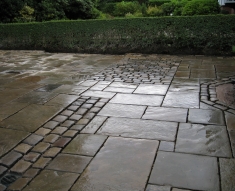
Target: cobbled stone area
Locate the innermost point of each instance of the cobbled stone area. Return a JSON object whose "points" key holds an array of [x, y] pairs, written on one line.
{"points": [[142, 122]]}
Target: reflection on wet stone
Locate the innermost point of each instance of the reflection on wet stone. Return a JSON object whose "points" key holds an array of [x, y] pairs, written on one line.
{"points": [[137, 99], [138, 128], [206, 116], [84, 144], [209, 140], [119, 110], [185, 171], [124, 168], [94, 125], [61, 181]]}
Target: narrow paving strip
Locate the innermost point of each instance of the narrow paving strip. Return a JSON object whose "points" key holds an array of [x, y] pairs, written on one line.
{"points": [[145, 122]]}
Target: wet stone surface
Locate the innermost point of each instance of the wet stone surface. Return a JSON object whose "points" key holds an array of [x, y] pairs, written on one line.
{"points": [[209, 140], [185, 171], [137, 128], [105, 122], [84, 144], [120, 110], [102, 173], [227, 171]]}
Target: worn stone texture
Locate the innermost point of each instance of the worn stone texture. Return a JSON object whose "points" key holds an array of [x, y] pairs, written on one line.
{"points": [[227, 172], [124, 155], [137, 128], [137, 99], [85, 144], [119, 110], [94, 125], [166, 114], [74, 163], [151, 89], [157, 188], [9, 139], [60, 181], [30, 118], [209, 140], [185, 171], [206, 116]]}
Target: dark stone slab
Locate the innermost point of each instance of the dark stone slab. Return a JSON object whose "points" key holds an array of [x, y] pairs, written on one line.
{"points": [[185, 171]]}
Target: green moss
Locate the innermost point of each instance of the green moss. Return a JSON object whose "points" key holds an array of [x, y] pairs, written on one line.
{"points": [[172, 35]]}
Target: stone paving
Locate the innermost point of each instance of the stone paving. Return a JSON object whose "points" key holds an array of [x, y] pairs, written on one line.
{"points": [[79, 122]]}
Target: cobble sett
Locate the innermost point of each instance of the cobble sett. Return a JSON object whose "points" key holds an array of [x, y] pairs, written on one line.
{"points": [[51, 139]]}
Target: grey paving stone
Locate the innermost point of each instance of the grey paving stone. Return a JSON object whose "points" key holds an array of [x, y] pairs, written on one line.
{"points": [[23, 148], [99, 94], [20, 167], [185, 171], [137, 99], [183, 88], [209, 140], [94, 125], [2, 170], [117, 169], [227, 172], [10, 158], [33, 139], [138, 128], [166, 146], [206, 116], [60, 181], [84, 144], [119, 90], [230, 121], [151, 89], [122, 85], [157, 188], [51, 124], [62, 100], [88, 83], [74, 163], [177, 189], [119, 110], [166, 114], [185, 82], [181, 99], [30, 118]]}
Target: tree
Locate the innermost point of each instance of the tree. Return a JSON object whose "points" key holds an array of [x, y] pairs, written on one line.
{"points": [[201, 7], [46, 10], [9, 9], [79, 9]]}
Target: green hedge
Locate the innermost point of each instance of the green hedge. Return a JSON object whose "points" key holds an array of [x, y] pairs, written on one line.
{"points": [[158, 2], [171, 35]]}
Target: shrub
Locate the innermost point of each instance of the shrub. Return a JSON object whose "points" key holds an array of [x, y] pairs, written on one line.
{"points": [[108, 8], [122, 8], [157, 2], [154, 11], [201, 7], [168, 8], [173, 35]]}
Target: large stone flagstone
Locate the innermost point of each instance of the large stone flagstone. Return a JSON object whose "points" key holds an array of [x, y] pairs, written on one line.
{"points": [[100, 94], [122, 164], [182, 99], [206, 116], [30, 118], [69, 163], [84, 144], [119, 110], [138, 128], [227, 172], [166, 114], [49, 180], [185, 171], [203, 139], [9, 139], [137, 99], [151, 89]]}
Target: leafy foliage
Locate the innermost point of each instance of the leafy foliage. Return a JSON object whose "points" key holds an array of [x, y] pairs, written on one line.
{"points": [[122, 8], [9, 9], [154, 11], [172, 35], [201, 7]]}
